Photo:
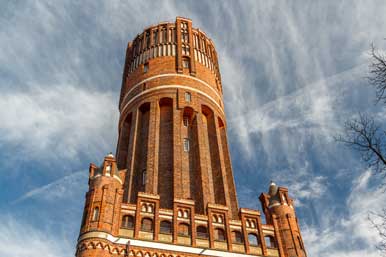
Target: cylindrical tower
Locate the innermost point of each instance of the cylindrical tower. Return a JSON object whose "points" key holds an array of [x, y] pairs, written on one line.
{"points": [[172, 126]]}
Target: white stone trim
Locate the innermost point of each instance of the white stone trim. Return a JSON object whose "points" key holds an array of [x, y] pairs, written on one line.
{"points": [[171, 75], [162, 246], [173, 86], [108, 175]]}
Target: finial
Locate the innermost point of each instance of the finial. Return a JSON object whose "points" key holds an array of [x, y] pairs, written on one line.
{"points": [[110, 155]]}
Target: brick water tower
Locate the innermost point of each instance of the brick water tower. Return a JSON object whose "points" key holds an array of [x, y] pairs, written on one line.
{"points": [[170, 191]]}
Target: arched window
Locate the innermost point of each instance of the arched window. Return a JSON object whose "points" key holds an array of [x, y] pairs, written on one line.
{"points": [[147, 225], [188, 97], [165, 227], [186, 214], [202, 232], [253, 239], [248, 224], [237, 237], [183, 229], [270, 241], [179, 213], [219, 234], [127, 221], [95, 214]]}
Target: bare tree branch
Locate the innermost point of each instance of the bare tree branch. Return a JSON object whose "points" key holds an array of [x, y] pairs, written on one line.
{"points": [[377, 76], [365, 136]]}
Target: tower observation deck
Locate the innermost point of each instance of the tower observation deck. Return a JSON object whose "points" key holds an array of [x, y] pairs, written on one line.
{"points": [[169, 190]]}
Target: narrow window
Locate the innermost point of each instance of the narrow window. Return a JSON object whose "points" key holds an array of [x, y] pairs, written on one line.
{"points": [[108, 169], [173, 38], [95, 214], [170, 35], [147, 39], [155, 37], [145, 67], [188, 97], [186, 121], [186, 145], [144, 177], [164, 35], [185, 64]]}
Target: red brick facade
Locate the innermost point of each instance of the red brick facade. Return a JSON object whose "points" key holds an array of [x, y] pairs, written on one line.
{"points": [[170, 190]]}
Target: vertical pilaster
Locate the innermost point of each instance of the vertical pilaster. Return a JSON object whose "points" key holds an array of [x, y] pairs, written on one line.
{"points": [[151, 167], [179, 48], [131, 157], [277, 234], [222, 166], [261, 236], [177, 152], [207, 184], [228, 231], [156, 220], [245, 234]]}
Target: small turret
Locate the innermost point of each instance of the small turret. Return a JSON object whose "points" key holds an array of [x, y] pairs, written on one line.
{"points": [[279, 212], [104, 197]]}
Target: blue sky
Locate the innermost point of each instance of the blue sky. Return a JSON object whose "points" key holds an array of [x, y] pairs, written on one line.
{"points": [[292, 72]]}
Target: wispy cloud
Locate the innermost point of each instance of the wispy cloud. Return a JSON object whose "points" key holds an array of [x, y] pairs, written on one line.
{"points": [[57, 122], [353, 234], [292, 72], [65, 187], [20, 239]]}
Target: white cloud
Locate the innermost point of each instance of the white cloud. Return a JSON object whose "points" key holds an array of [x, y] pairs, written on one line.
{"points": [[352, 235], [57, 122], [66, 187], [20, 239]]}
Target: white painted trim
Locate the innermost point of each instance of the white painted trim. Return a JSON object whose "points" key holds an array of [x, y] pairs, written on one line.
{"points": [[171, 75], [108, 175], [173, 86], [162, 246]]}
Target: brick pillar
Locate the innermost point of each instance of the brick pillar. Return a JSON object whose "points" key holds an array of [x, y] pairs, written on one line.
{"points": [[177, 152], [207, 187], [261, 236], [152, 146]]}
